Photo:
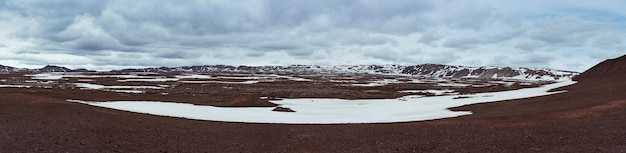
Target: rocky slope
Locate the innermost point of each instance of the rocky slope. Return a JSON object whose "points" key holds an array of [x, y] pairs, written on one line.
{"points": [[607, 70]]}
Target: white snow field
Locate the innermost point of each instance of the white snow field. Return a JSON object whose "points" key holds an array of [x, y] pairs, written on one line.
{"points": [[122, 89], [331, 111], [14, 86]]}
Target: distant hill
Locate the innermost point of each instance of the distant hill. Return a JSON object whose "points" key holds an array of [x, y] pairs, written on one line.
{"points": [[47, 68], [7, 69]]}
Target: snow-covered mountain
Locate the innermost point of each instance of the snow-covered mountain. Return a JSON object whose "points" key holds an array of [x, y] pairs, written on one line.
{"points": [[425, 70]]}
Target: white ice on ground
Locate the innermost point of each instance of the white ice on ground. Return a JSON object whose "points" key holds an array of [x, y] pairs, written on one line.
{"points": [[46, 76], [506, 83], [224, 82], [193, 76], [14, 86], [376, 83], [295, 79], [453, 84], [265, 78], [371, 84], [329, 110], [433, 91], [129, 91], [149, 80], [97, 86], [344, 81], [60, 75]]}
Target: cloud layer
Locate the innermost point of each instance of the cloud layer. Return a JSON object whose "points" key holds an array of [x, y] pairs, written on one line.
{"points": [[571, 35]]}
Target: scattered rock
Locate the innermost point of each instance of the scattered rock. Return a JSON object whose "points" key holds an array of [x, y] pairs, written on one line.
{"points": [[283, 109], [461, 97]]}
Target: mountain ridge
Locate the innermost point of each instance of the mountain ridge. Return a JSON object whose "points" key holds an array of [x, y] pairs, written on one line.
{"points": [[47, 68], [425, 70]]}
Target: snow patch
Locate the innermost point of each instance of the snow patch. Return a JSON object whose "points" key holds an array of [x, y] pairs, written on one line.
{"points": [[14, 86], [330, 110], [149, 80], [436, 92], [97, 86], [61, 75], [193, 76], [224, 82]]}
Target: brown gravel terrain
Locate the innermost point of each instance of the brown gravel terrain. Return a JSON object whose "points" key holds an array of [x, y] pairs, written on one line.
{"points": [[590, 117]]}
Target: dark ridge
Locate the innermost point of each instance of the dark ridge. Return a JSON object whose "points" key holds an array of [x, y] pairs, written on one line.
{"points": [[54, 68]]}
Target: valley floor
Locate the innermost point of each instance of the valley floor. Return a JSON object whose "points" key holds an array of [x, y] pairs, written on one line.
{"points": [[588, 118]]}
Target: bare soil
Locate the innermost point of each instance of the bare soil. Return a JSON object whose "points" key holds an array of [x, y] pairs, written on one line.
{"points": [[590, 117]]}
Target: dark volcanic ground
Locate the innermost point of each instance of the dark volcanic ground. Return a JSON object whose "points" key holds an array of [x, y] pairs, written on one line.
{"points": [[590, 117]]}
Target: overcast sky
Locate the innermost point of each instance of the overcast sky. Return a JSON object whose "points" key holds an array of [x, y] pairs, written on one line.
{"points": [[102, 35]]}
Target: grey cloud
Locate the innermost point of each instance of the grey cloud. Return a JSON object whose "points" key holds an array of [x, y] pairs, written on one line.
{"points": [[533, 59], [573, 65], [167, 31], [300, 53], [499, 60], [358, 38], [276, 47], [468, 14], [55, 16], [255, 54], [529, 44], [609, 42], [56, 8], [530, 59], [463, 43], [126, 55], [567, 30], [398, 17], [412, 56], [90, 44], [386, 54], [504, 35], [443, 57], [178, 54], [132, 26], [210, 17], [430, 37], [605, 54]]}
